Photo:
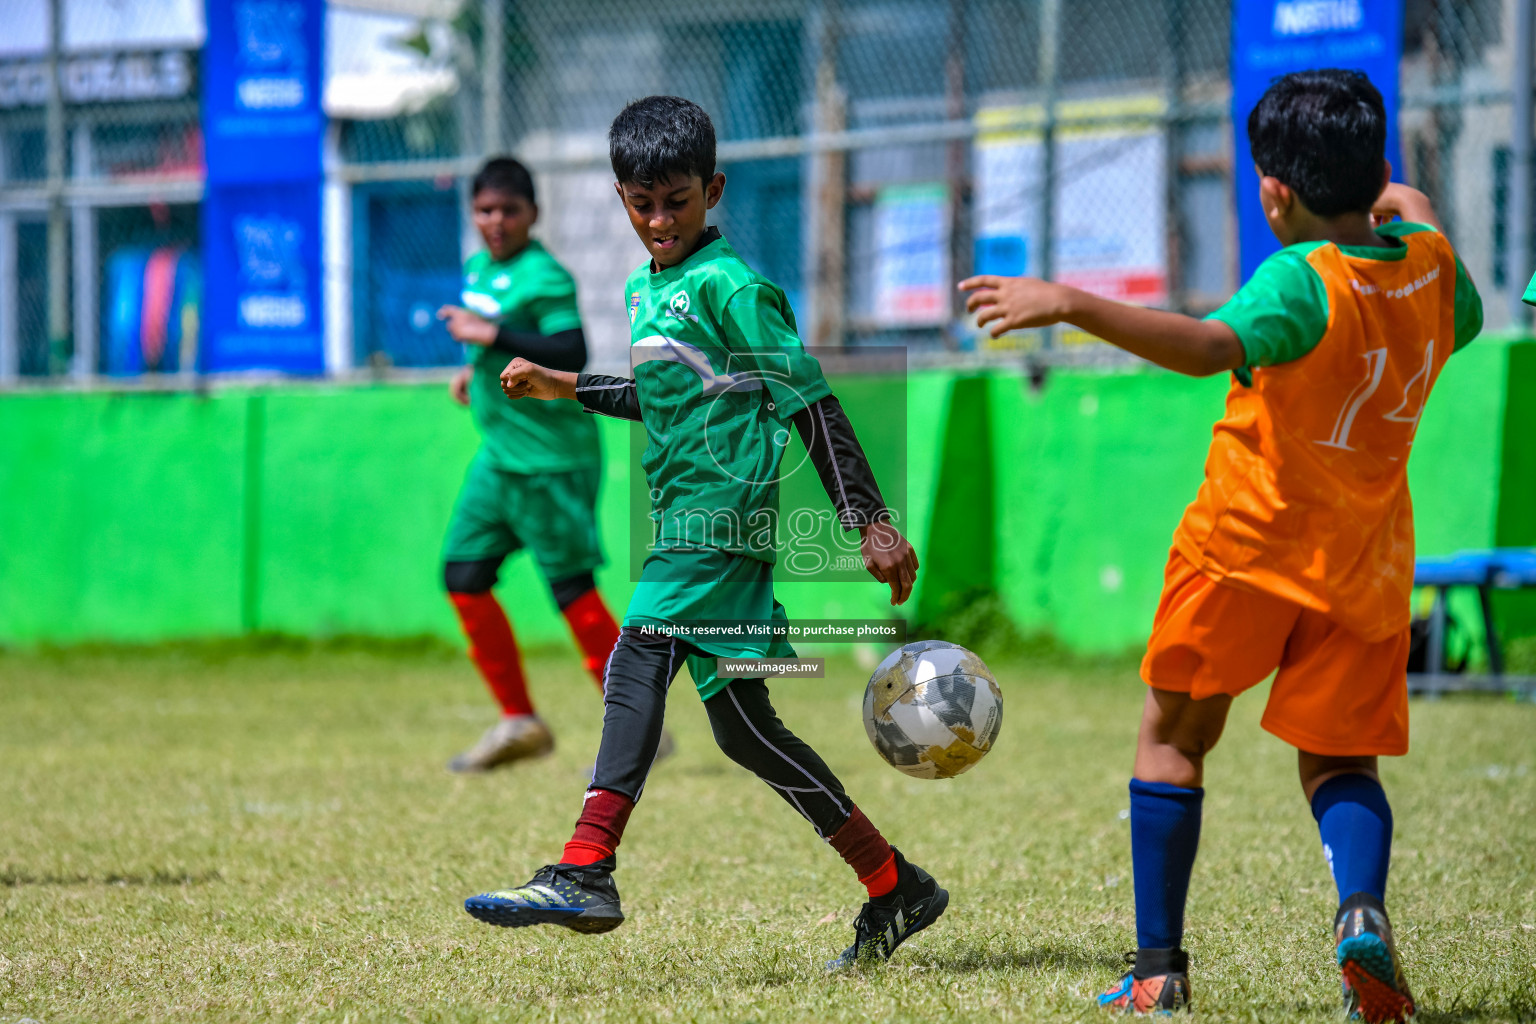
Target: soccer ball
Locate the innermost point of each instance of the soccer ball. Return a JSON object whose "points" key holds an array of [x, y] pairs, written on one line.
{"points": [[932, 709]]}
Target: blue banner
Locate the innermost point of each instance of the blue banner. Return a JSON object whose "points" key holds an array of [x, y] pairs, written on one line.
{"points": [[262, 82], [262, 286], [1273, 37], [261, 215]]}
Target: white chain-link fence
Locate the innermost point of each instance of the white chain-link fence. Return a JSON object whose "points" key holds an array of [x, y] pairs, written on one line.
{"points": [[876, 151]]}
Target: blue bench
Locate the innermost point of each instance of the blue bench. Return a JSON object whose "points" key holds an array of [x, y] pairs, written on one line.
{"points": [[1500, 568]]}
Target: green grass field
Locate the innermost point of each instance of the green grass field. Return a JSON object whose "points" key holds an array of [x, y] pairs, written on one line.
{"points": [[196, 835]]}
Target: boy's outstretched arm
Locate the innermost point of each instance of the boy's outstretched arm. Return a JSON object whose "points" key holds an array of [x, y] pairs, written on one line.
{"points": [[1402, 201], [522, 379], [1171, 340], [597, 393]]}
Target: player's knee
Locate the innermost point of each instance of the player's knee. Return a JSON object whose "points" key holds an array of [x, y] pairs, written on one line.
{"points": [[1195, 747], [732, 731], [475, 577], [568, 589], [1316, 769], [1189, 727]]}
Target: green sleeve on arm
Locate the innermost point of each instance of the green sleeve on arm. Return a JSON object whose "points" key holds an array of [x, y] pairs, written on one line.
{"points": [[551, 303], [1279, 315], [1529, 298], [1469, 307], [763, 343]]}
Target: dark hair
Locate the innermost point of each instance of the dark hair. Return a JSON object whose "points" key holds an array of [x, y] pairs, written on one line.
{"points": [[1324, 134], [503, 174], [662, 138]]}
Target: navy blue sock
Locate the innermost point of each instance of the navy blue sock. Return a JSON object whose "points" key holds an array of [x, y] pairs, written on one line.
{"points": [[1356, 826], [1165, 832]]}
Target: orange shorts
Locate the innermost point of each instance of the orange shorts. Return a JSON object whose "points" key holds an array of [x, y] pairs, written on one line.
{"points": [[1334, 693]]}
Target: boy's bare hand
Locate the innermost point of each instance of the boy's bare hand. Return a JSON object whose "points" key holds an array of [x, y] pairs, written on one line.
{"points": [[1012, 303], [889, 559], [1399, 200], [458, 387], [522, 379], [468, 327]]}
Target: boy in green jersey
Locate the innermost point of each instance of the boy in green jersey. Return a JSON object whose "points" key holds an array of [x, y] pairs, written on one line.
{"points": [[534, 481], [720, 378]]}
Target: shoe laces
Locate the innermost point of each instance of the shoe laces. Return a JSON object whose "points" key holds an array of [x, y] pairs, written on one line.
{"points": [[544, 875], [873, 919]]}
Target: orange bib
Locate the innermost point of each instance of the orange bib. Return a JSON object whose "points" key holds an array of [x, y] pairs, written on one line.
{"points": [[1306, 487]]}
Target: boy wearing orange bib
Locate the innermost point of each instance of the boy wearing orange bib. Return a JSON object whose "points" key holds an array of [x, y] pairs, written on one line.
{"points": [[1296, 556]]}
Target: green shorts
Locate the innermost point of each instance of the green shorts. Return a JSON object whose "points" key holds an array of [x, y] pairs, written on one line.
{"points": [[709, 598], [554, 514]]}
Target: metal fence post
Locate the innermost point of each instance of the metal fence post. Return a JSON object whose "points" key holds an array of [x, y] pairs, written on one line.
{"points": [[1050, 33], [955, 160], [85, 286], [1520, 144], [829, 183], [58, 216], [492, 69]]}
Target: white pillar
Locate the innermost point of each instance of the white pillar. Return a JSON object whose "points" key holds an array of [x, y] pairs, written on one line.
{"points": [[86, 285], [86, 288], [337, 235], [336, 258], [10, 341]]}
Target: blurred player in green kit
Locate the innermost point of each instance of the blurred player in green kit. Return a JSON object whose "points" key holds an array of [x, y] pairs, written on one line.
{"points": [[533, 483]]}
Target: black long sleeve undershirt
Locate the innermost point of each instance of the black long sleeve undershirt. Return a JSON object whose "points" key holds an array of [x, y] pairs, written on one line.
{"points": [[563, 350], [608, 396], [823, 427], [841, 463]]}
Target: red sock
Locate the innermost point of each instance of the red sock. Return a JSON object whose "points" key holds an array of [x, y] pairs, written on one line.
{"points": [[594, 629], [867, 852], [600, 827], [493, 650]]}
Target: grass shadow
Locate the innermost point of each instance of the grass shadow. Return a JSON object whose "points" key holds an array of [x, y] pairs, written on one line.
{"points": [[1519, 1008], [1037, 958], [17, 879]]}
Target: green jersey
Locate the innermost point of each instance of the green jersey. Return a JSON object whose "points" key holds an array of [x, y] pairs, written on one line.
{"points": [[1529, 298], [719, 370], [529, 292]]}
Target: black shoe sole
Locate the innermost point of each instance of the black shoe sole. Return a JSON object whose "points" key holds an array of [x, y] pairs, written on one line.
{"points": [[523, 917]]}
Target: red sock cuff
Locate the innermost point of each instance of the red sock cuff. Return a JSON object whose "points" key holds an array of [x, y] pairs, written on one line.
{"points": [[866, 851], [883, 880], [583, 853], [604, 814]]}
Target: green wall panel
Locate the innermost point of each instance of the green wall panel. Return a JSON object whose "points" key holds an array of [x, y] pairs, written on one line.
{"points": [[959, 558], [1094, 471], [1515, 612], [356, 489], [120, 516], [1454, 470], [320, 510]]}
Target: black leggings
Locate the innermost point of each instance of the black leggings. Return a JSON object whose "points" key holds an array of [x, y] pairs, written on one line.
{"points": [[635, 684]]}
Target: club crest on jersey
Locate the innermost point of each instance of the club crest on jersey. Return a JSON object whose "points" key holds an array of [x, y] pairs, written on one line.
{"points": [[634, 306], [678, 308]]}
